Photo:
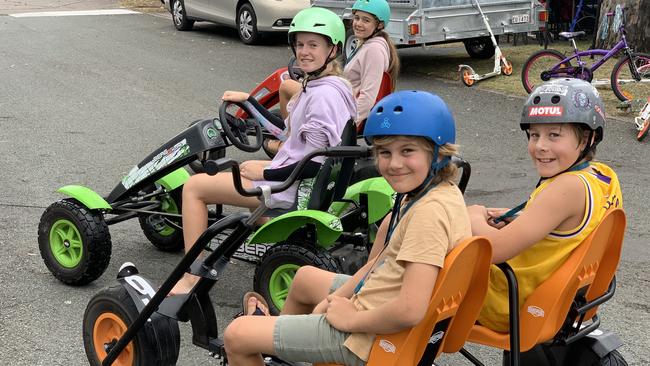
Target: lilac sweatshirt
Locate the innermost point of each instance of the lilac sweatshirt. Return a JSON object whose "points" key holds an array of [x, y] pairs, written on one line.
{"points": [[365, 71], [317, 118]]}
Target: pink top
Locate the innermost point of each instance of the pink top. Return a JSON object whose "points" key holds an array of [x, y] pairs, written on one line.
{"points": [[365, 71]]}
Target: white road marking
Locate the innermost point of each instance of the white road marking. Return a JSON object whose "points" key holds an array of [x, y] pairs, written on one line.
{"points": [[74, 13]]}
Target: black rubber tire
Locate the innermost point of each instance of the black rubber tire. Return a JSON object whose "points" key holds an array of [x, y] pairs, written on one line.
{"points": [[288, 253], [623, 66], [95, 242], [252, 36], [167, 243], [179, 16], [613, 358], [157, 344], [526, 78], [480, 47], [364, 169], [351, 43]]}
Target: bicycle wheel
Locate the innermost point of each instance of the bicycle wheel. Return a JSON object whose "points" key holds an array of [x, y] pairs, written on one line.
{"points": [[624, 83], [536, 68]]}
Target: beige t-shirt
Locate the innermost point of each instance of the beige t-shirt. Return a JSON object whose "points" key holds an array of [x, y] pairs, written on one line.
{"points": [[425, 234]]}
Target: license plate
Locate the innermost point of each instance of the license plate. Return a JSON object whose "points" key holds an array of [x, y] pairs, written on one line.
{"points": [[520, 18]]}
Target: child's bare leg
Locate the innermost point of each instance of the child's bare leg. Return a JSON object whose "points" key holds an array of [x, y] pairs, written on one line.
{"points": [[288, 88], [247, 337], [309, 287], [199, 191]]}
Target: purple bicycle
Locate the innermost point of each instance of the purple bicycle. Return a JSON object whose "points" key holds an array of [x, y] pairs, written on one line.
{"points": [[630, 77]]}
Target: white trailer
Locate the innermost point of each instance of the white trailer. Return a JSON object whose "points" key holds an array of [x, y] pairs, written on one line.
{"points": [[428, 22]]}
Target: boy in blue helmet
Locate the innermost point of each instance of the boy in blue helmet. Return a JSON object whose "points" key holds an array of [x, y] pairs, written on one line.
{"points": [[413, 134]]}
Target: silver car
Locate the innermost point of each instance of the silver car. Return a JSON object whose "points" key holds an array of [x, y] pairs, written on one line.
{"points": [[249, 17]]}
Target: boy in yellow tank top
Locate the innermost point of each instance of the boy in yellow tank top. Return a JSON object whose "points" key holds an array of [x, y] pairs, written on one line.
{"points": [[564, 120]]}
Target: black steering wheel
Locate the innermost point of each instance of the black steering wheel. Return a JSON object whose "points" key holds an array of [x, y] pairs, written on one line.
{"points": [[236, 128], [295, 72]]}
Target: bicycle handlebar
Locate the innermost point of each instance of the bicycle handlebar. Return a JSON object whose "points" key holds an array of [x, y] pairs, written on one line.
{"points": [[213, 167]]}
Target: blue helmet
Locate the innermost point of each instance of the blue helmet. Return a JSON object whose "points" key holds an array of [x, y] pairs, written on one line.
{"points": [[412, 113], [378, 8]]}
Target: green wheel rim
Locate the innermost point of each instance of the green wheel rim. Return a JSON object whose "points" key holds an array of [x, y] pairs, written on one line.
{"points": [[66, 243], [168, 205], [280, 283]]}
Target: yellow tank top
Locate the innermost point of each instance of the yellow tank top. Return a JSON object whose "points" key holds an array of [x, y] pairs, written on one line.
{"points": [[537, 263]]}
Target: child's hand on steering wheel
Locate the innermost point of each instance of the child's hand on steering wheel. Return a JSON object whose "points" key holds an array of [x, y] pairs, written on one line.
{"points": [[234, 96]]}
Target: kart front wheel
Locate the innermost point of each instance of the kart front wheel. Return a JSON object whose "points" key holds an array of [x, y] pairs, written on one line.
{"points": [[161, 230], [275, 271], [74, 242], [107, 317]]}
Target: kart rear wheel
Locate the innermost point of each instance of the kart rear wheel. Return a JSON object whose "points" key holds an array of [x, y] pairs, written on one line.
{"points": [[275, 271], [160, 233], [107, 317], [74, 242]]}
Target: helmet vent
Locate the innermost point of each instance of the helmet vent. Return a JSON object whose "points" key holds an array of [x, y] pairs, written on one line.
{"points": [[319, 25], [555, 99], [537, 99], [398, 109], [380, 110]]}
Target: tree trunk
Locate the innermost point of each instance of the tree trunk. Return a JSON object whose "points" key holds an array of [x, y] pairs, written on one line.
{"points": [[637, 26]]}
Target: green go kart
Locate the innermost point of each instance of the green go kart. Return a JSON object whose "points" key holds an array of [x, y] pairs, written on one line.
{"points": [[73, 235]]}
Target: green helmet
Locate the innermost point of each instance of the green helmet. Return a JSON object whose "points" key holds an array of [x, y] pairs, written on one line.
{"points": [[319, 21], [378, 8]]}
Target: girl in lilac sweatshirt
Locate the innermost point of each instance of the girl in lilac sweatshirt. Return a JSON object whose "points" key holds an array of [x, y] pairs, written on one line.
{"points": [[319, 113]]}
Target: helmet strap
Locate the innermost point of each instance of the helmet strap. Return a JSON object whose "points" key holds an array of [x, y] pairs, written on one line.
{"points": [[316, 73]]}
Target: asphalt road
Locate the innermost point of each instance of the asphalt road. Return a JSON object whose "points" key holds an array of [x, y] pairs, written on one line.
{"points": [[83, 99]]}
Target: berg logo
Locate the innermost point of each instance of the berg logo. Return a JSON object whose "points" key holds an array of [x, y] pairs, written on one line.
{"points": [[554, 111], [385, 123]]}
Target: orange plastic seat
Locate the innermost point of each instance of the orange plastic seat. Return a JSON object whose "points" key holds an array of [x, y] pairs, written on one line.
{"points": [[454, 306], [576, 288]]}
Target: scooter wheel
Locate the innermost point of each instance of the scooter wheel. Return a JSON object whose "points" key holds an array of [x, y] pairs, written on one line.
{"points": [[108, 315], [275, 271], [506, 67], [74, 242], [466, 77], [643, 132]]}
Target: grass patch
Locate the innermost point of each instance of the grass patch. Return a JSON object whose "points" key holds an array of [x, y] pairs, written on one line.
{"points": [[147, 6], [447, 68]]}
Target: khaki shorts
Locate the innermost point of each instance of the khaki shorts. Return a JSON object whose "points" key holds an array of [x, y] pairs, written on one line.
{"points": [[310, 338]]}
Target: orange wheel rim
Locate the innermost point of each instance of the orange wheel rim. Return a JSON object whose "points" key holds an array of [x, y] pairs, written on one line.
{"points": [[507, 68], [109, 327], [467, 77]]}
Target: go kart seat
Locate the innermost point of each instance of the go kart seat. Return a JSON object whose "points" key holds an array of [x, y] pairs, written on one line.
{"points": [[385, 88], [454, 306], [330, 183], [334, 175], [557, 309]]}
